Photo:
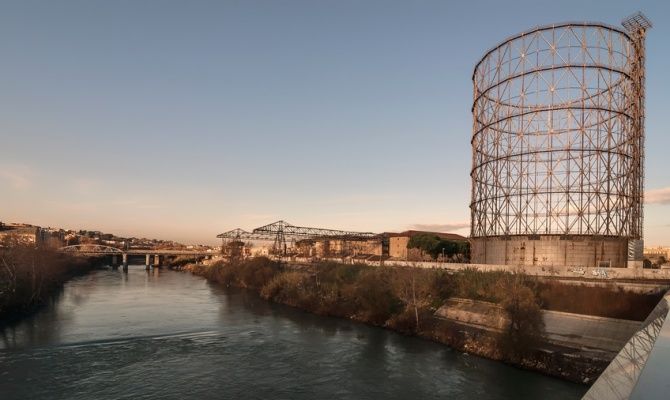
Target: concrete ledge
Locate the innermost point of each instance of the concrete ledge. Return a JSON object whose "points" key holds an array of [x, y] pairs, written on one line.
{"points": [[565, 329]]}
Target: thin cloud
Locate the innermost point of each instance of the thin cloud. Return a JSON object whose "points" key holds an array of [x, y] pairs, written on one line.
{"points": [[448, 227], [657, 196], [260, 217], [18, 177], [359, 199], [135, 204], [86, 185]]}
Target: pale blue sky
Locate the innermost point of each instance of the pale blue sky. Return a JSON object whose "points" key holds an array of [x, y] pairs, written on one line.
{"points": [[183, 119]]}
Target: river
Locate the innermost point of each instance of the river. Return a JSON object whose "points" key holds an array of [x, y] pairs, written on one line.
{"points": [[170, 335]]}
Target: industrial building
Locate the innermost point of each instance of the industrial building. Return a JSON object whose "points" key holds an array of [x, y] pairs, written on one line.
{"points": [[20, 233], [558, 147], [285, 239]]}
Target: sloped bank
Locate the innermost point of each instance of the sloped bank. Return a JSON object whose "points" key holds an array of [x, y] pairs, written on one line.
{"points": [[407, 300]]}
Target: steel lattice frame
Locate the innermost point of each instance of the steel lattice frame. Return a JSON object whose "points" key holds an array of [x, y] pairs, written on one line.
{"points": [[284, 228], [558, 132], [241, 234], [91, 249], [281, 230]]}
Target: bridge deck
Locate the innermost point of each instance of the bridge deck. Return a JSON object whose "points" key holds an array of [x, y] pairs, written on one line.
{"points": [[170, 252], [141, 252]]}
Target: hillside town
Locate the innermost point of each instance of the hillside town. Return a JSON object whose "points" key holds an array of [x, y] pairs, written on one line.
{"points": [[56, 238]]}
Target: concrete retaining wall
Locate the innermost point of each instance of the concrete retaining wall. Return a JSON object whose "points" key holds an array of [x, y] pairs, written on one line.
{"points": [[557, 272], [565, 329], [550, 250]]}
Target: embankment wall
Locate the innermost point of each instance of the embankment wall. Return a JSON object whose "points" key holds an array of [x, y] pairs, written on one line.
{"points": [[576, 331], [595, 273]]}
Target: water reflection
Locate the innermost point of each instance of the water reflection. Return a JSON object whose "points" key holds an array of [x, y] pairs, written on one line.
{"points": [[164, 334], [41, 327]]}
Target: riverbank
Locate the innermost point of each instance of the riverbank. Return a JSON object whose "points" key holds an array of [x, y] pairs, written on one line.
{"points": [[29, 277], [406, 299]]}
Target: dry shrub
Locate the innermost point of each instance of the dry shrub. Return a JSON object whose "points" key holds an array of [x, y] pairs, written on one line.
{"points": [[334, 300], [478, 285], [375, 297], [253, 273], [286, 287], [443, 287], [181, 261], [222, 273], [420, 290], [405, 321], [257, 272], [337, 274]]}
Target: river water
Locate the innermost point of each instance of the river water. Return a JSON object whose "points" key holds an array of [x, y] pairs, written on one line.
{"points": [[170, 335]]}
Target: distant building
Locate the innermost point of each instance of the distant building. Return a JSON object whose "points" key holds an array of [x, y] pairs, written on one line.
{"points": [[325, 247], [258, 251], [372, 247], [389, 244], [21, 233], [336, 247], [52, 237]]}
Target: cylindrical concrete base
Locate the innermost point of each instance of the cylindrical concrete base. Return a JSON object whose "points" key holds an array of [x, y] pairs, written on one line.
{"points": [[551, 250]]}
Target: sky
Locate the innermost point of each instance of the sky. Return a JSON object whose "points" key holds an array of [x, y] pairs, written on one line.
{"points": [[184, 119]]}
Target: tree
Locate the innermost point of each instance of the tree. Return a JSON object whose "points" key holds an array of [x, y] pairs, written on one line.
{"points": [[415, 288], [434, 245], [525, 324], [234, 249], [660, 261]]}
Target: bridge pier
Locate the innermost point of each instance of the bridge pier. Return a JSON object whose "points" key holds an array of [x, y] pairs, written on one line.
{"points": [[157, 260], [115, 261], [148, 261], [125, 262]]}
